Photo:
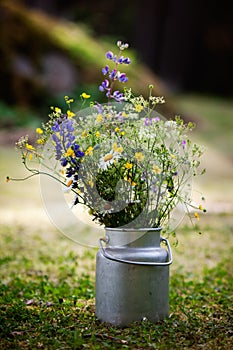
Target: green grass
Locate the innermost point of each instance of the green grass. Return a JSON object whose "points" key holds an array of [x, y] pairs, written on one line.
{"points": [[47, 294]]}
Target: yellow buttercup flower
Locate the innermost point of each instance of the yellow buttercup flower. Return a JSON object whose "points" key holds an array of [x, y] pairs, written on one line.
{"points": [[156, 169], [29, 147], [68, 100], [119, 149], [138, 108], [40, 141], [84, 134], [128, 165], [97, 134], [99, 118], [132, 183], [39, 131], [114, 147], [196, 215], [84, 95], [89, 151], [70, 114], [58, 110], [69, 153], [117, 129]]}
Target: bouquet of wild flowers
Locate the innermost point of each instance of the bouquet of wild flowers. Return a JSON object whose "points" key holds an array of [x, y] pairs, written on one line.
{"points": [[122, 160]]}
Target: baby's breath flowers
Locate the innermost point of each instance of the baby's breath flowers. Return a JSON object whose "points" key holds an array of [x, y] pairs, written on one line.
{"points": [[122, 160]]}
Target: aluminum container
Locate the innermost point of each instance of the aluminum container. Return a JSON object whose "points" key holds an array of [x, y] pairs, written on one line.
{"points": [[132, 276]]}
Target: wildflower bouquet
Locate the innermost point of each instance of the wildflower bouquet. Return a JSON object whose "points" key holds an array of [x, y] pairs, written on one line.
{"points": [[122, 160]]}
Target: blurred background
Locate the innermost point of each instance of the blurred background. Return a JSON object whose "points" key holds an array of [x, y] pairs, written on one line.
{"points": [[54, 48]]}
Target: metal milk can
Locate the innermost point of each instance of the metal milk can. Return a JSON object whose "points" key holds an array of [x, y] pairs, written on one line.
{"points": [[132, 276]]}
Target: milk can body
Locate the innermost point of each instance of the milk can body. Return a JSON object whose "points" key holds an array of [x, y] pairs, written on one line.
{"points": [[132, 277]]}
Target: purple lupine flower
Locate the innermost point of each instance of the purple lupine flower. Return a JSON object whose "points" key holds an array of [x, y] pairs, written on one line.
{"points": [[109, 55], [114, 58], [122, 78], [148, 121], [64, 162], [118, 96], [120, 60], [126, 60], [108, 93], [104, 85], [112, 75], [105, 70]]}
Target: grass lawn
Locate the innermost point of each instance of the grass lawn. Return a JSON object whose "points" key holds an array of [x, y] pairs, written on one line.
{"points": [[47, 293]]}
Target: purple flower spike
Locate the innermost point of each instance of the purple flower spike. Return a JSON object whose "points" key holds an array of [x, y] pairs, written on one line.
{"points": [[105, 70], [109, 55], [126, 60], [118, 96], [122, 78], [108, 92], [112, 75], [120, 60], [104, 85]]}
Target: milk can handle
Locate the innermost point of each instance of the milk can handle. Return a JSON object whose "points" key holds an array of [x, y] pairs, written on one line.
{"points": [[111, 257]]}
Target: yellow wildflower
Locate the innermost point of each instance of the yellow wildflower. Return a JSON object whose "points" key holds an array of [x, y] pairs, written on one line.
{"points": [[124, 115], [84, 95], [97, 134], [40, 141], [119, 149], [39, 131], [29, 147], [122, 133], [58, 110], [89, 151], [196, 215], [114, 147], [156, 169], [128, 165], [200, 207], [69, 153], [139, 156], [117, 129], [30, 156], [68, 100], [84, 134], [132, 183], [138, 108], [70, 114], [99, 118]]}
